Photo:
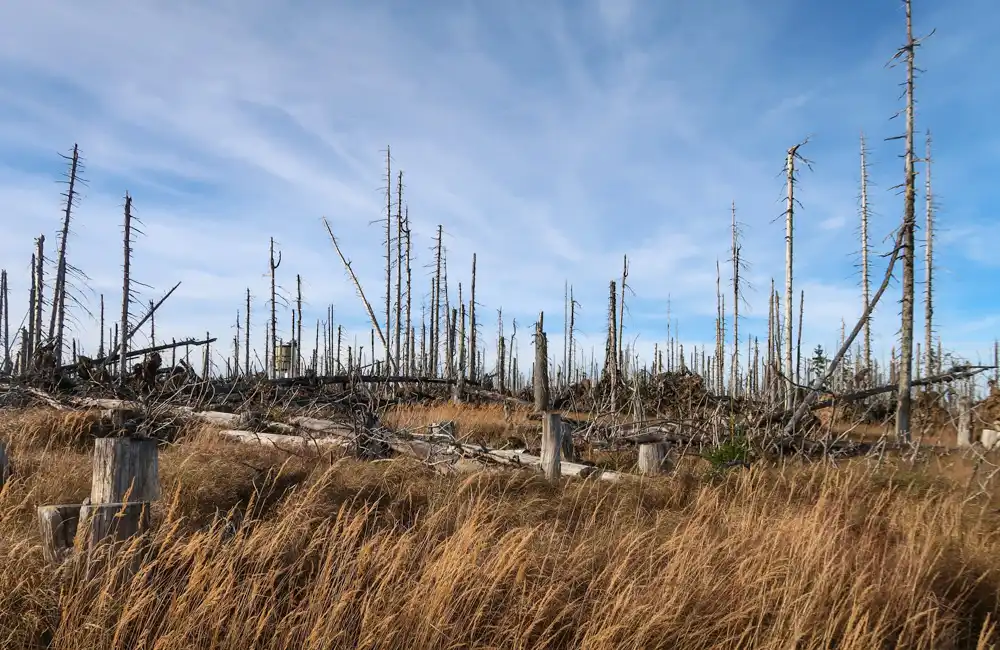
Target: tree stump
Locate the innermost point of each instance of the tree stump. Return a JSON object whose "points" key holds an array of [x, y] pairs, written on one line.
{"points": [[964, 422], [112, 522], [125, 470], [652, 457], [566, 443], [58, 527], [551, 445]]}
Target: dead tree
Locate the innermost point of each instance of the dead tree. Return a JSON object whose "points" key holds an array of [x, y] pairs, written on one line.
{"points": [[436, 305], [565, 363], [58, 316], [865, 277], [298, 338], [5, 312], [621, 317], [572, 326], [905, 374], [39, 291], [501, 344], [720, 332], [126, 289], [738, 266], [541, 375], [791, 158], [397, 330], [410, 343], [100, 348], [473, 346], [273, 265], [246, 337], [388, 256], [611, 357], [357, 285], [932, 367]]}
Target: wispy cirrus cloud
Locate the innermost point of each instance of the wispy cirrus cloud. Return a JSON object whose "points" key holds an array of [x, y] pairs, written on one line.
{"points": [[549, 138]]}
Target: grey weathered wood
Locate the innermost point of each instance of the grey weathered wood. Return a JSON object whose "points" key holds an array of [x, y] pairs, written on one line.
{"points": [[112, 522], [990, 438], [58, 526], [551, 445], [446, 429], [652, 457], [964, 438], [4, 465], [566, 442], [125, 470], [541, 373]]}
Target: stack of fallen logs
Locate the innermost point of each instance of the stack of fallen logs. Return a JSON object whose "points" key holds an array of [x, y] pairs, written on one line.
{"points": [[364, 436]]}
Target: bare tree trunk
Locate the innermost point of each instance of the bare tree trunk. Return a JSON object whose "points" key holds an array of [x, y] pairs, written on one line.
{"points": [[39, 292], [865, 277], [273, 266], [798, 341], [126, 289], [541, 376], [398, 324], [409, 325], [791, 158], [565, 363], [501, 345], [735, 363], [388, 257], [5, 311], [720, 332], [436, 306], [298, 338], [903, 398], [473, 346], [246, 340], [58, 320], [572, 324], [100, 349], [611, 357], [621, 318], [236, 347], [357, 285], [932, 366], [462, 352]]}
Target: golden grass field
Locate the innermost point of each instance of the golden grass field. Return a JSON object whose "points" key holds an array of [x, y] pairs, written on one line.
{"points": [[253, 549]]}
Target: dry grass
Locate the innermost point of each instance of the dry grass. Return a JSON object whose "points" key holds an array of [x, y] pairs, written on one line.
{"points": [[486, 424], [333, 553]]}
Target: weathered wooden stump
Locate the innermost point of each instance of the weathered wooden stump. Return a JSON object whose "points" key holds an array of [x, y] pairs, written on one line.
{"points": [[990, 438], [566, 442], [964, 437], [652, 458], [125, 470], [58, 527], [112, 522], [551, 445]]}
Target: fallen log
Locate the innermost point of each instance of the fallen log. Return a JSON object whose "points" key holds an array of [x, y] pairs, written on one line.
{"points": [[281, 440], [955, 374]]}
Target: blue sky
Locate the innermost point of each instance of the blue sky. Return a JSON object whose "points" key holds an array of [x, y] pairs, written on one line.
{"points": [[549, 137]]}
